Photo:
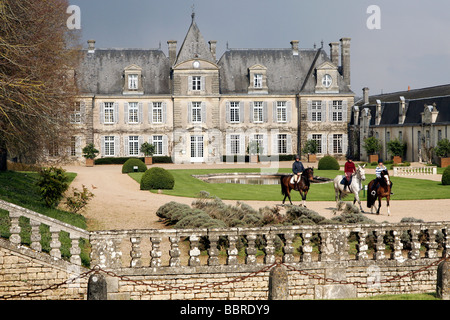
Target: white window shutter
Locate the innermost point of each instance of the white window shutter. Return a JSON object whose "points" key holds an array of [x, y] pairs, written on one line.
{"points": [[125, 112], [102, 112], [344, 110], [309, 136], [228, 110], [141, 113], [190, 83], [150, 112], [165, 146], [274, 144], [203, 85], [242, 144], [116, 112], [330, 111], [203, 111], [228, 145], [164, 112], [241, 112], [251, 118], [116, 146], [126, 146], [189, 112], [274, 112], [289, 111], [265, 144], [324, 111], [288, 144], [344, 143], [141, 141], [324, 144], [83, 111], [330, 144], [309, 110], [103, 146], [150, 140], [78, 146], [265, 112]]}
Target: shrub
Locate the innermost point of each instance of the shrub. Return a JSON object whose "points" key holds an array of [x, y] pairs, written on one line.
{"points": [[310, 147], [157, 178], [372, 145], [396, 147], [328, 163], [442, 149], [446, 176], [79, 199], [129, 165], [90, 152], [52, 183]]}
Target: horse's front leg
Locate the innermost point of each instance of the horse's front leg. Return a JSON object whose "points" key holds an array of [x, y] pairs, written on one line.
{"points": [[387, 204], [304, 198], [379, 205], [359, 202]]}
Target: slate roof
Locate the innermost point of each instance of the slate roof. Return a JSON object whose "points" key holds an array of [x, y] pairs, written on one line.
{"points": [[194, 46]]}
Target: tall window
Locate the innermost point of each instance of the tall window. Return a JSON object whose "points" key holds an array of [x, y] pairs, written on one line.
{"points": [[235, 112], [196, 83], [158, 143], [109, 146], [282, 143], [109, 112], [132, 81], [258, 139], [400, 135], [316, 111], [235, 141], [257, 80], [439, 137], [73, 146], [157, 112], [337, 143], [337, 112], [196, 112], [318, 139], [258, 112], [133, 145], [75, 117], [133, 112], [281, 111]]}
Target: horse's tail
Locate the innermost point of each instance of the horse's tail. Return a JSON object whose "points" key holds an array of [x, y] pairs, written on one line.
{"points": [[370, 198], [283, 186]]}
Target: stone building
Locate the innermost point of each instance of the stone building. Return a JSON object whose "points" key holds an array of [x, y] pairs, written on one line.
{"points": [[197, 107], [420, 118]]}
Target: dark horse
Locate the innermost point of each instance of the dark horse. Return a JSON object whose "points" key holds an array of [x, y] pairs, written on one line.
{"points": [[303, 184], [383, 191]]}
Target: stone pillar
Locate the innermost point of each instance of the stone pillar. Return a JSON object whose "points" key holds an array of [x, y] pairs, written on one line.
{"points": [[278, 284], [443, 281], [97, 288]]}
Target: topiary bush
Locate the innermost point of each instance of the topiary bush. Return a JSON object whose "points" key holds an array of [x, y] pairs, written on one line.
{"points": [[129, 165], [328, 163], [157, 178], [53, 183], [446, 176]]}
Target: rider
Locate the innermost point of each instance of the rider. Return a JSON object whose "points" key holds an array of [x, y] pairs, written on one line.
{"points": [[297, 169], [349, 170], [380, 168]]}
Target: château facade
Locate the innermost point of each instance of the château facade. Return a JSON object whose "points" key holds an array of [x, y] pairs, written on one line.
{"points": [[195, 107]]}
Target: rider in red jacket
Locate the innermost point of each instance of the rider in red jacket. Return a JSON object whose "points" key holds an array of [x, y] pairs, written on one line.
{"points": [[349, 169]]}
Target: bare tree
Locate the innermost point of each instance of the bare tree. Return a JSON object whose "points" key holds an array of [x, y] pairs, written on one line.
{"points": [[38, 56]]}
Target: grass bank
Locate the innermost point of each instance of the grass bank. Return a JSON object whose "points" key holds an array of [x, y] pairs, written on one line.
{"points": [[188, 186]]}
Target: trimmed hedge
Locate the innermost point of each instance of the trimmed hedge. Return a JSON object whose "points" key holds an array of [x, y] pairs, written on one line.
{"points": [[122, 160], [328, 163], [157, 178], [129, 165], [446, 176]]}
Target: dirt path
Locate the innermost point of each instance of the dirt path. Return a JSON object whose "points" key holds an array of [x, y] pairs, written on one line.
{"points": [[120, 205]]}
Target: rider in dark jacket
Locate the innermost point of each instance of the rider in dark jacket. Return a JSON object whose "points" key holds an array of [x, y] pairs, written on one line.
{"points": [[297, 169]]}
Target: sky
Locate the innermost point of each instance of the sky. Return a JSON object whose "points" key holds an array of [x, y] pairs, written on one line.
{"points": [[404, 43]]}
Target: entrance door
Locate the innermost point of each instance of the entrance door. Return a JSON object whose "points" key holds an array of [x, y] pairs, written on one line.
{"points": [[197, 149]]}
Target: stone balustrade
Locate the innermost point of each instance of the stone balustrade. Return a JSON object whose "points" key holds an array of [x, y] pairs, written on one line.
{"points": [[55, 226], [405, 171], [247, 249]]}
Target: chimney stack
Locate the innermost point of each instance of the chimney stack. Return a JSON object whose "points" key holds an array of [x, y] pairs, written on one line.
{"points": [[172, 51], [345, 59], [212, 48], [294, 44], [91, 46], [334, 53], [366, 95]]}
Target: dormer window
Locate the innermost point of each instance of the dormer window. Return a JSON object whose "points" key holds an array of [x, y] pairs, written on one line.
{"points": [[258, 79], [133, 80]]}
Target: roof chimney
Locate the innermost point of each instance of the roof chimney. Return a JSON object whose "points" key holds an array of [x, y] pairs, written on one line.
{"points": [[294, 45], [366, 95], [172, 51], [212, 48], [345, 59], [91, 46], [334, 53]]}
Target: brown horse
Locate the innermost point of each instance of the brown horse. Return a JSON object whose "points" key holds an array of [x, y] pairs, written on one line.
{"points": [[303, 184], [383, 191]]}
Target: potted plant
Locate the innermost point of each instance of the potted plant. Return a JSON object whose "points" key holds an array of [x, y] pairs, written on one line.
{"points": [[254, 150], [89, 152], [397, 149], [148, 150], [442, 151], [372, 146], [311, 149]]}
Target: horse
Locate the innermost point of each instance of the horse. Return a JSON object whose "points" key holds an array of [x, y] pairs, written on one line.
{"points": [[355, 187], [383, 191], [303, 185]]}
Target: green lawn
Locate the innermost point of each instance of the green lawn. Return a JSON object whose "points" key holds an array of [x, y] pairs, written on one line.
{"points": [[188, 186]]}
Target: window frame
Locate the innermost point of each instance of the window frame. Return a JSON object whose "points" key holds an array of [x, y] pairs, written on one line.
{"points": [[281, 112]]}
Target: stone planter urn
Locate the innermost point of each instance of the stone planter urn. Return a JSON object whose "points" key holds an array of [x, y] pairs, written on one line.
{"points": [[373, 158], [445, 162], [148, 160], [397, 159], [89, 162], [312, 158]]}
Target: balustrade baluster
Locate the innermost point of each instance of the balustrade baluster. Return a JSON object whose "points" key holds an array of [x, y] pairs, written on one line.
{"points": [[269, 249], [232, 250], [136, 252], [362, 247], [446, 244], [251, 249], [306, 247], [432, 245], [35, 236], [156, 253], [213, 252], [55, 244], [194, 253], [15, 228], [288, 248], [396, 253], [380, 246], [415, 244], [174, 251], [75, 250]]}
